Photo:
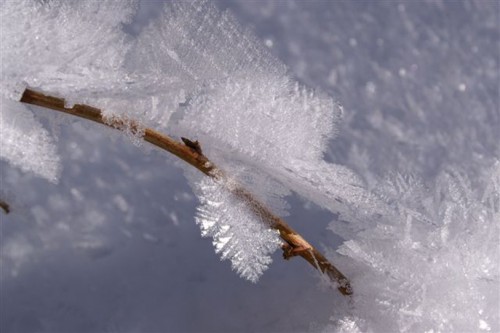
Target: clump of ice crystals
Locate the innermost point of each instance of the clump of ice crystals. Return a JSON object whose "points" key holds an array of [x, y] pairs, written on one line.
{"points": [[25, 143], [434, 258], [238, 234]]}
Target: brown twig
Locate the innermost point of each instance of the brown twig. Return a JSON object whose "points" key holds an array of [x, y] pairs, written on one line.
{"points": [[190, 152], [5, 206]]}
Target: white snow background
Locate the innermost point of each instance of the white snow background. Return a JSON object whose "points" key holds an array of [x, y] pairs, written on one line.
{"points": [[403, 193]]}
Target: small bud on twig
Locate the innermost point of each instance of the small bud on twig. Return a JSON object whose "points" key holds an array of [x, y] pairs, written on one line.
{"points": [[194, 145]]}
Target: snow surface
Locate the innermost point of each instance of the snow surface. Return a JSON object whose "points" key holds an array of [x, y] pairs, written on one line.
{"points": [[414, 194]]}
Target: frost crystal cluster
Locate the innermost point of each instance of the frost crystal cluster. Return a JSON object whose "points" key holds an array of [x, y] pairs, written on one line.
{"points": [[25, 143], [444, 236], [236, 235]]}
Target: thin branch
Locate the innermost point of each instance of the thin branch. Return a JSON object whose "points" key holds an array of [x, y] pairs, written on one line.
{"points": [[191, 153], [5, 206]]}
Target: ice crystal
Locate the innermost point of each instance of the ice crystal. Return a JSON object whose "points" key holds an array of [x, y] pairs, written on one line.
{"points": [[25, 143], [435, 253], [238, 234]]}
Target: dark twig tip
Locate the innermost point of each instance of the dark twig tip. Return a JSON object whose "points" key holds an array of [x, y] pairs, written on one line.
{"points": [[5, 206]]}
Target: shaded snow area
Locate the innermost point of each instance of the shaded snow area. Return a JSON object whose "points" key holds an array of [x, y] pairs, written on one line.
{"points": [[371, 127]]}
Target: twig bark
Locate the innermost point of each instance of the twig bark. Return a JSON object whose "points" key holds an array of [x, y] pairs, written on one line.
{"points": [[191, 153]]}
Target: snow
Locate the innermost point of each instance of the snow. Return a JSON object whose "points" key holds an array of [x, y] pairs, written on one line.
{"points": [[403, 194]]}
